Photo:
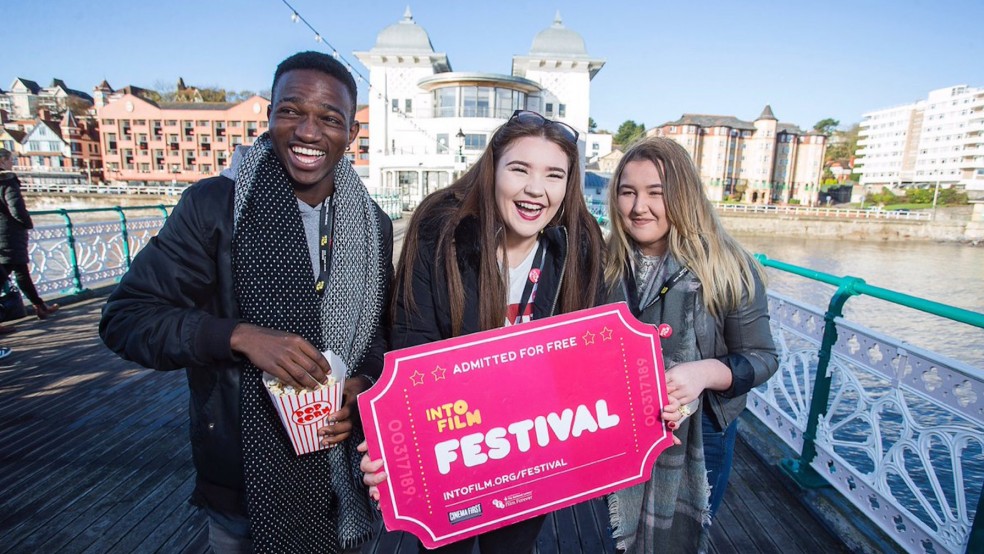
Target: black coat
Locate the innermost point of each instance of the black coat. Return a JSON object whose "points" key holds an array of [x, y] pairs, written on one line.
{"points": [[430, 318], [14, 221], [176, 308]]}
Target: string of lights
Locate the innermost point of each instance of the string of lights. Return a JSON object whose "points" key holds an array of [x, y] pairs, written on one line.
{"points": [[296, 17]]}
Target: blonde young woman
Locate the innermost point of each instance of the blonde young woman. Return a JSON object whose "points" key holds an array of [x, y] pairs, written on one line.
{"points": [[678, 269]]}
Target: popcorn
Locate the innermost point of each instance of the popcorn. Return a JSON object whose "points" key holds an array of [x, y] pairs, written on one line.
{"points": [[304, 411], [278, 388]]}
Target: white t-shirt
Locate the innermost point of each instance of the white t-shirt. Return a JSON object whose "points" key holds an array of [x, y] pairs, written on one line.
{"points": [[518, 277]]}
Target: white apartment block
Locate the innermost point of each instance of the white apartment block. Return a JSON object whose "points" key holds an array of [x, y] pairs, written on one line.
{"points": [[936, 140], [427, 123]]}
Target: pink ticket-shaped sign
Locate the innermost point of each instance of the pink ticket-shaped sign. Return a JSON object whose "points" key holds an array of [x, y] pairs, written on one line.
{"points": [[484, 430]]}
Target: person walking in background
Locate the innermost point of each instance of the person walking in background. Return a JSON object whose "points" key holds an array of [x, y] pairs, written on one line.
{"points": [[677, 268], [262, 273], [510, 241], [15, 221]]}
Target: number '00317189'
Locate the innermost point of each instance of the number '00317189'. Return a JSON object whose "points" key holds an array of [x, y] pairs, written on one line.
{"points": [[402, 469], [646, 390]]}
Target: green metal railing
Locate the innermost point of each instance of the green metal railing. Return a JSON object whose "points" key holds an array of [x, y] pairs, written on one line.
{"points": [[800, 468], [73, 254]]}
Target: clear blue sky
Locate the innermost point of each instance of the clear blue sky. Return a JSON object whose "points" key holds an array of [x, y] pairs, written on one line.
{"points": [[808, 60]]}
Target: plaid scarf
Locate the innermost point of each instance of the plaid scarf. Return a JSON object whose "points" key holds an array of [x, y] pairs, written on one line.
{"points": [[668, 513], [294, 500]]}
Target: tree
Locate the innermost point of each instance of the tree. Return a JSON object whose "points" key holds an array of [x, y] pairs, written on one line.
{"points": [[213, 94], [843, 144], [166, 91], [826, 126], [628, 132], [592, 126]]}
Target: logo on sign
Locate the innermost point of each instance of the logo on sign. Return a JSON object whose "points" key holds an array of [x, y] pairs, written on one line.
{"points": [[465, 514], [498, 504], [312, 413]]}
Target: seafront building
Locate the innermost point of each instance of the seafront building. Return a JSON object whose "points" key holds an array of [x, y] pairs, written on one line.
{"points": [[758, 162], [427, 123], [358, 150], [25, 98], [172, 142], [936, 140]]}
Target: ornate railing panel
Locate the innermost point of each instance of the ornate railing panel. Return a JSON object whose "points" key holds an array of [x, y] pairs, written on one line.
{"points": [[896, 429], [783, 403], [74, 256], [903, 438], [71, 257]]}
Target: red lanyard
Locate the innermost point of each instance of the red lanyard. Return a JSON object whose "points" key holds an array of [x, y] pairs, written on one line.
{"points": [[532, 281]]}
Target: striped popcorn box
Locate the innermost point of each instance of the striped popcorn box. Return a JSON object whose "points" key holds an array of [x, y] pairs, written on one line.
{"points": [[305, 411]]}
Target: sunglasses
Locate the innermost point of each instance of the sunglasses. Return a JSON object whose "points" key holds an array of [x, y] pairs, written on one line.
{"points": [[526, 116]]}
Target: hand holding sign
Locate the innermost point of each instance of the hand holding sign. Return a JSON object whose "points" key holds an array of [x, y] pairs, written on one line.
{"points": [[484, 430]]}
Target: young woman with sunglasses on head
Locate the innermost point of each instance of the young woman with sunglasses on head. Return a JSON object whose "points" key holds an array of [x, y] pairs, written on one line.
{"points": [[510, 241], [677, 268]]}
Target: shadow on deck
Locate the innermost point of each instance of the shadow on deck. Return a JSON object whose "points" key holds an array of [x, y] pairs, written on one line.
{"points": [[94, 457]]}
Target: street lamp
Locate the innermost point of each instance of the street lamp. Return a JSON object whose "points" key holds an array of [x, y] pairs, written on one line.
{"points": [[459, 159], [459, 140]]}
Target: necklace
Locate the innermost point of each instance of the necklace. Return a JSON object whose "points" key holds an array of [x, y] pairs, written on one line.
{"points": [[647, 267]]}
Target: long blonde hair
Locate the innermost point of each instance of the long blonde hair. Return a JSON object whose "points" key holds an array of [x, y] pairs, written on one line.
{"points": [[696, 238]]}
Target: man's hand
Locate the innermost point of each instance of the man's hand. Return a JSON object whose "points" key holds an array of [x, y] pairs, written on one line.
{"points": [[340, 423], [286, 356]]}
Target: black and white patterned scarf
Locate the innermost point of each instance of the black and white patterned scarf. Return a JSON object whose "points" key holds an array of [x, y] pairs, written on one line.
{"points": [[315, 502]]}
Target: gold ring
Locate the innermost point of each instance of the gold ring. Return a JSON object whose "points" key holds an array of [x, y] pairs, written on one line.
{"points": [[685, 410]]}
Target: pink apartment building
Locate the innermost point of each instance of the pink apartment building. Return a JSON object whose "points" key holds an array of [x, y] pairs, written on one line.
{"points": [[148, 142], [358, 150]]}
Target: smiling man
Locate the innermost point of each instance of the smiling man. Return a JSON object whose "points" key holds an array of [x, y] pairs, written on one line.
{"points": [[261, 270]]}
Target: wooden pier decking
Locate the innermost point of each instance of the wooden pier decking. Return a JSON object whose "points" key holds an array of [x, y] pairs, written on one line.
{"points": [[94, 457]]}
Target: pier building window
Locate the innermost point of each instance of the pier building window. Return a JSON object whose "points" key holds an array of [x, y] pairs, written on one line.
{"points": [[111, 145], [549, 109], [504, 102], [408, 106], [442, 143], [561, 110], [475, 141], [483, 106], [469, 101], [475, 101], [395, 105]]}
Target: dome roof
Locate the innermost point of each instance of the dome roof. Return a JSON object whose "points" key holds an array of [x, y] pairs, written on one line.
{"points": [[404, 37], [558, 40]]}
